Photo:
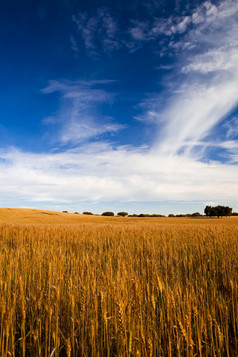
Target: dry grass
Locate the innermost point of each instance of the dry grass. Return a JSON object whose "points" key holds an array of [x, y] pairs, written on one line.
{"points": [[118, 287]]}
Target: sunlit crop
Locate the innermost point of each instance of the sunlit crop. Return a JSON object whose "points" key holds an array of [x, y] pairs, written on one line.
{"points": [[119, 289]]}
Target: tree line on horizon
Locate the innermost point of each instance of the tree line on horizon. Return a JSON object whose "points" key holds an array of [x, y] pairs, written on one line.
{"points": [[217, 211]]}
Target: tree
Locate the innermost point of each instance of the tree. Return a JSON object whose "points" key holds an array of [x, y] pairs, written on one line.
{"points": [[207, 210], [195, 214], [107, 214], [122, 214], [88, 213], [218, 211]]}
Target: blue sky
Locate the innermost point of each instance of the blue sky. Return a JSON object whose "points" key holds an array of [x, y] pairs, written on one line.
{"points": [[119, 105]]}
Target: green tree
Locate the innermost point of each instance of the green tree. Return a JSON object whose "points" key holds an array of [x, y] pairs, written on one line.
{"points": [[122, 214], [107, 214], [218, 211], [195, 214]]}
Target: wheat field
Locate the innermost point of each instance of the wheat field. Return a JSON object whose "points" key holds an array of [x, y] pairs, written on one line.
{"points": [[72, 285]]}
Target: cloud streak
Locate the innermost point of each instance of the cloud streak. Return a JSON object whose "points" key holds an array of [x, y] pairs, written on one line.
{"points": [[78, 118]]}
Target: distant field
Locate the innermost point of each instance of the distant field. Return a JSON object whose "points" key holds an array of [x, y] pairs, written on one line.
{"points": [[76, 285], [36, 216]]}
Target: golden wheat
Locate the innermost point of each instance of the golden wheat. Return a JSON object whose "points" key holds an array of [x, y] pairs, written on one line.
{"points": [[119, 289]]}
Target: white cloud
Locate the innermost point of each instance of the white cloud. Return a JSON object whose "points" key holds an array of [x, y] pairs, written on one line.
{"points": [[183, 24], [138, 31], [104, 33], [98, 30], [74, 44], [87, 128], [77, 119], [206, 12], [123, 174], [194, 112], [231, 127], [219, 59], [207, 89], [142, 31]]}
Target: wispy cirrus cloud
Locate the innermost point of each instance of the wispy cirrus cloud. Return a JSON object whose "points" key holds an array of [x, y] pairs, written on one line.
{"points": [[192, 114], [152, 30], [98, 32], [101, 32], [223, 58], [78, 118], [231, 128], [204, 88], [86, 129]]}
